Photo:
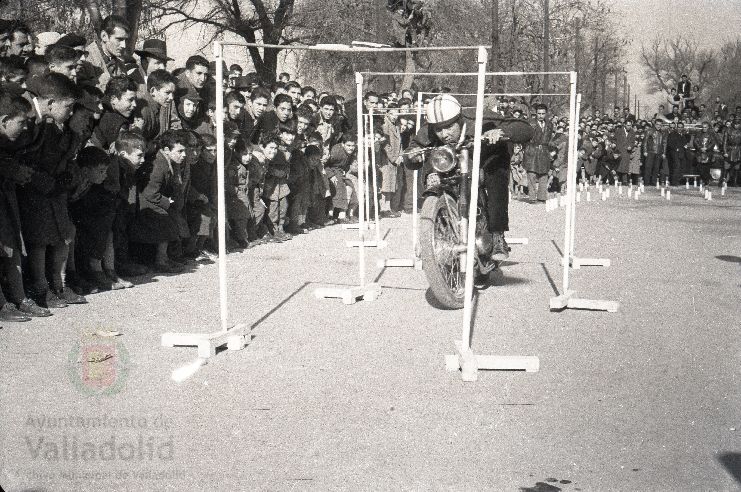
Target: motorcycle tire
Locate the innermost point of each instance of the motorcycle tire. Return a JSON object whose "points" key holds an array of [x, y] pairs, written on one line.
{"points": [[447, 287]]}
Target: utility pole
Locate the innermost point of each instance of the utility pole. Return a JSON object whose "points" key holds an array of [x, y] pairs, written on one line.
{"points": [[546, 45]]}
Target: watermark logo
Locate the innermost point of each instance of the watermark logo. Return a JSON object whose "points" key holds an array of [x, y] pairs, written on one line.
{"points": [[98, 366]]}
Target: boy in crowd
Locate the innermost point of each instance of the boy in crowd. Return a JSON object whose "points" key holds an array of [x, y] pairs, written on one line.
{"points": [[155, 224], [14, 112], [269, 121], [201, 199], [342, 162], [43, 200], [127, 158], [157, 107], [239, 207], [63, 59], [391, 163], [119, 104], [299, 174], [293, 89], [92, 208]]}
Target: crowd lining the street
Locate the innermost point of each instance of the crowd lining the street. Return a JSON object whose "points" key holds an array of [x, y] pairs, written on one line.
{"points": [[108, 161]]}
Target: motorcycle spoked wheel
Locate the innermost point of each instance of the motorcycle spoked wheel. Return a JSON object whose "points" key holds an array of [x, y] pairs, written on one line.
{"points": [[438, 236]]}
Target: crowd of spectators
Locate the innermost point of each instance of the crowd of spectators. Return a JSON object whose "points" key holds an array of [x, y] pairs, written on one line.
{"points": [[108, 161], [689, 141]]}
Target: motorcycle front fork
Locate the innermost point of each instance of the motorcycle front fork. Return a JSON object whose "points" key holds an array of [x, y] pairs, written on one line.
{"points": [[463, 204]]}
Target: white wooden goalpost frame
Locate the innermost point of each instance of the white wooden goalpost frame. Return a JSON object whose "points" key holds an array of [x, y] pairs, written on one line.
{"points": [[236, 337], [567, 299]]}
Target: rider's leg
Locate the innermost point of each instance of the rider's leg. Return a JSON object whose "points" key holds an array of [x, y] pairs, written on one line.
{"points": [[496, 182]]}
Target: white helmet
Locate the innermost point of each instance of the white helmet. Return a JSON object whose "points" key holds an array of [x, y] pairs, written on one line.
{"points": [[442, 109]]}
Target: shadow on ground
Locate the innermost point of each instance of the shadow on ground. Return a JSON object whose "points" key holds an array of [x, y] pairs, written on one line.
{"points": [[729, 258], [732, 463]]}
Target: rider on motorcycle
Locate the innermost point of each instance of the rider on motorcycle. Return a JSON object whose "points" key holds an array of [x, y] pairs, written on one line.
{"points": [[448, 124]]}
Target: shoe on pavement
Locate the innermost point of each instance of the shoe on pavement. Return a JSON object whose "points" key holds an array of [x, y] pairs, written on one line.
{"points": [[11, 314], [117, 281], [67, 295], [499, 251], [50, 300], [30, 308]]}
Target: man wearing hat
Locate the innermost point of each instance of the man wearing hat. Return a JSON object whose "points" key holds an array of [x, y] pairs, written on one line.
{"points": [[76, 42], [153, 56]]}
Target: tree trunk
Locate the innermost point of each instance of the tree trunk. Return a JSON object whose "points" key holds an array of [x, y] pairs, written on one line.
{"points": [[410, 67], [577, 51], [93, 10], [494, 55], [546, 45], [595, 71], [133, 15], [617, 84]]}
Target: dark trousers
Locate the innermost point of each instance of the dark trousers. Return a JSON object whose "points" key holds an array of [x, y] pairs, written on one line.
{"points": [[537, 182], [496, 182], [652, 168], [678, 165]]}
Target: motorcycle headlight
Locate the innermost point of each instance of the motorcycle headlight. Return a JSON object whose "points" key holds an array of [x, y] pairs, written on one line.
{"points": [[443, 159], [715, 173]]}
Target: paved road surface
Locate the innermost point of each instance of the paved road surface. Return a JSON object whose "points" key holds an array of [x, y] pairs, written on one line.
{"points": [[335, 397]]}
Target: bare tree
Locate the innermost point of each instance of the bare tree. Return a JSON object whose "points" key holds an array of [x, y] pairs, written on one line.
{"points": [[265, 21], [664, 61]]}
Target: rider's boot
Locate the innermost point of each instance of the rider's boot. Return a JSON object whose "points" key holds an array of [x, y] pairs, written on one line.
{"points": [[499, 251]]}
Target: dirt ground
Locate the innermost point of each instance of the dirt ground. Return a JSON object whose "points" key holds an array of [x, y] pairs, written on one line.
{"points": [[335, 397]]}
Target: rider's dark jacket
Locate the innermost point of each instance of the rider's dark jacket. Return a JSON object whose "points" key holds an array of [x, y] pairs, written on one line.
{"points": [[495, 156]]}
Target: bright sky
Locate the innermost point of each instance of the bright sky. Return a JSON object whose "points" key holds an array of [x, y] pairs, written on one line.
{"points": [[710, 22]]}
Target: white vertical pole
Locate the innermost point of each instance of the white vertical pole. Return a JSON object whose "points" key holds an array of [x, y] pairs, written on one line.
{"points": [[415, 190], [221, 202], [361, 172], [374, 170], [570, 178], [366, 159], [577, 119], [473, 206]]}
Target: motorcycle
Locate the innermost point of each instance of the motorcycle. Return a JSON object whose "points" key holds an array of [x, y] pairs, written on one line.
{"points": [[443, 228]]}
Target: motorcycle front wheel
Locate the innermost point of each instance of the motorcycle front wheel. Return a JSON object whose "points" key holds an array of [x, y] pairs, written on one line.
{"points": [[438, 241]]}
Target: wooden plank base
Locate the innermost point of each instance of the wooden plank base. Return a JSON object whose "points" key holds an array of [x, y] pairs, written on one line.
{"points": [[355, 227], [235, 338], [470, 364], [396, 262], [350, 295], [570, 301], [368, 244], [577, 263]]}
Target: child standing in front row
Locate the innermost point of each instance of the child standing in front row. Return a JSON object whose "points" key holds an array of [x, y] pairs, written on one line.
{"points": [[13, 122], [42, 201]]}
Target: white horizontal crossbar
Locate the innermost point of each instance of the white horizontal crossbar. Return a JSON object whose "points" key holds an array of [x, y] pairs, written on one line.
{"points": [[350, 49], [466, 74], [498, 94]]}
